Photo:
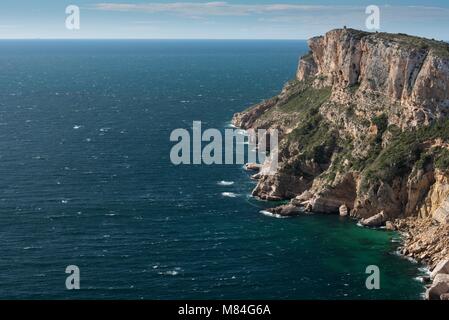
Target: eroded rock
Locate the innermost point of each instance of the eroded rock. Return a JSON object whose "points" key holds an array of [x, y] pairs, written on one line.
{"points": [[441, 268], [440, 286], [374, 221]]}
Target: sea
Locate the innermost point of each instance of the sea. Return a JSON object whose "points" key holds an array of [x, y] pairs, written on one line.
{"points": [[86, 180]]}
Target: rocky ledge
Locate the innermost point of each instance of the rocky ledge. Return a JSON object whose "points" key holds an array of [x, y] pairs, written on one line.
{"points": [[364, 132]]}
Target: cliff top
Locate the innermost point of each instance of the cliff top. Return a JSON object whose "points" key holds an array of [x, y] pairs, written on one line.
{"points": [[440, 48]]}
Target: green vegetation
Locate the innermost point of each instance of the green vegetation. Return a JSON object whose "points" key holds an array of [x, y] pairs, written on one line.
{"points": [[440, 48], [381, 122], [307, 99], [407, 150], [358, 33], [316, 141], [442, 159]]}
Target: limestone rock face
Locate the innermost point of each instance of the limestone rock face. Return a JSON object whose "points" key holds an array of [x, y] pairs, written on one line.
{"points": [[415, 77], [442, 213], [307, 68], [364, 124], [436, 202], [278, 187], [441, 268]]}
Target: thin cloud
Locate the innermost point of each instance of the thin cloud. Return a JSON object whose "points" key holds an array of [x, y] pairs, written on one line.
{"points": [[217, 8]]}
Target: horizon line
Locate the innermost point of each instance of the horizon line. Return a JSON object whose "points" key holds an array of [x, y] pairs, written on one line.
{"points": [[242, 39]]}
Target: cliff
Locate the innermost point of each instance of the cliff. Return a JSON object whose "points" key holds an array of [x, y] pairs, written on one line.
{"points": [[364, 127]]}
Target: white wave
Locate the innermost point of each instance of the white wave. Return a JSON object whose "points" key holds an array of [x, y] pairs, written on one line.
{"points": [[230, 125], [229, 194], [399, 254], [173, 272], [170, 272], [225, 183], [32, 247], [424, 270], [270, 214], [419, 279]]}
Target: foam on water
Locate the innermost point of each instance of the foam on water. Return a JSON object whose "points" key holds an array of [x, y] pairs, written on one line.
{"points": [[225, 183], [229, 194], [273, 215]]}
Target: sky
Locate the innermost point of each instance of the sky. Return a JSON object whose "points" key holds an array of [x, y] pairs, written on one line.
{"points": [[216, 19]]}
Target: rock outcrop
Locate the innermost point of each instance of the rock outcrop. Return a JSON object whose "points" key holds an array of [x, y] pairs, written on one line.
{"points": [[365, 124], [441, 268], [439, 287]]}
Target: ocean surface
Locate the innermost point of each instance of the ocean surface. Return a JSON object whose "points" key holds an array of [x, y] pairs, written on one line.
{"points": [[86, 180]]}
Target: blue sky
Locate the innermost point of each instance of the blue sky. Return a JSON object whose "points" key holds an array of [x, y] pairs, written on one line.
{"points": [[216, 19]]}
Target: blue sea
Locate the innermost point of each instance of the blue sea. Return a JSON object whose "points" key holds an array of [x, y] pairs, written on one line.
{"points": [[86, 180]]}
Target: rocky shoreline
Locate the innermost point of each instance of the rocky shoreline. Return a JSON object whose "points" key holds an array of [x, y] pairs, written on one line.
{"points": [[364, 132]]}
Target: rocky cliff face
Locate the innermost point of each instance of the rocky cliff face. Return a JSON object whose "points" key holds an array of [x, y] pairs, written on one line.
{"points": [[365, 126], [408, 71]]}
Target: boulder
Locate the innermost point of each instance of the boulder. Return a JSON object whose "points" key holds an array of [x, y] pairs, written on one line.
{"points": [[253, 166], [390, 226], [442, 213], [439, 287], [343, 210], [374, 221], [441, 268], [286, 210], [444, 296]]}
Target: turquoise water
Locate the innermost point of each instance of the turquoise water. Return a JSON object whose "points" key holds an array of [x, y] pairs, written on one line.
{"points": [[86, 179]]}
